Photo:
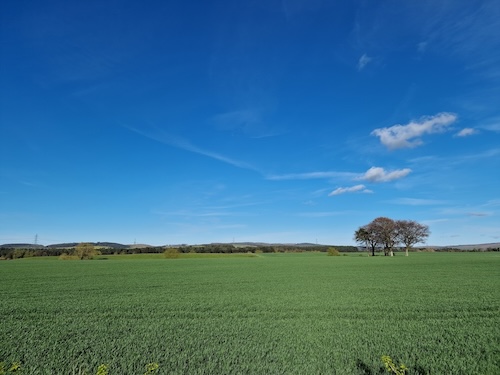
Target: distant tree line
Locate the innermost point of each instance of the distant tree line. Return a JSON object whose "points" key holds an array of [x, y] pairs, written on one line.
{"points": [[230, 248], [19, 252], [15, 251], [11, 252]]}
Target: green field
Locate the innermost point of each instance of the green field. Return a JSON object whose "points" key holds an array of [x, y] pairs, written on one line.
{"points": [[438, 313]]}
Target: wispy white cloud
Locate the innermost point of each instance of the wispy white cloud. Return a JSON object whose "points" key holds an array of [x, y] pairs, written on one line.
{"points": [[492, 124], [493, 127], [487, 154], [468, 30], [352, 189], [407, 136], [492, 203], [184, 144], [311, 176], [363, 61], [323, 213], [185, 213], [434, 221], [427, 162], [416, 201], [237, 205], [464, 30], [319, 192], [246, 121], [378, 174], [479, 214], [465, 132], [471, 211]]}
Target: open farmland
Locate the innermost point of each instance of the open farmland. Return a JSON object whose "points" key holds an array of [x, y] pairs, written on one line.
{"points": [[269, 314]]}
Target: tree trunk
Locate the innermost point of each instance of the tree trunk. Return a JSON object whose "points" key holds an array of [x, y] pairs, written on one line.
{"points": [[407, 248]]}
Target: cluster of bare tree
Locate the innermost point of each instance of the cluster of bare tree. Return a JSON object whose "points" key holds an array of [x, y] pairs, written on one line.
{"points": [[387, 233]]}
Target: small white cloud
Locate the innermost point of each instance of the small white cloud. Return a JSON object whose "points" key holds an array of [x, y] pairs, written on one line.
{"points": [[406, 136], [363, 61], [352, 189], [465, 132], [378, 174]]}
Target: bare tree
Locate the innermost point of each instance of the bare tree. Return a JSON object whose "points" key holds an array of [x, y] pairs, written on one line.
{"points": [[388, 233], [410, 232], [385, 230], [367, 236]]}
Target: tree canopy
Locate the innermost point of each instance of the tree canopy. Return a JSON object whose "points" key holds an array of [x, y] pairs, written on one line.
{"points": [[388, 233], [410, 233], [366, 235], [84, 250]]}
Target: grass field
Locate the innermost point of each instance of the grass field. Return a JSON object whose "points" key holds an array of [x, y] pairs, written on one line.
{"points": [[438, 313]]}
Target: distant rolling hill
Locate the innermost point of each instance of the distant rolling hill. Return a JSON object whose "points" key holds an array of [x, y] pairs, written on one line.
{"points": [[22, 246], [482, 246], [66, 245], [118, 246], [111, 245]]}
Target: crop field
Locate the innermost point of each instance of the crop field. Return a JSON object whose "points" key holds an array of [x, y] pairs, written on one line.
{"points": [[308, 313]]}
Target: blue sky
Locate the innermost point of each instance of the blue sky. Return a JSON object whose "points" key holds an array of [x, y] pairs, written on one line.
{"points": [[279, 121]]}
